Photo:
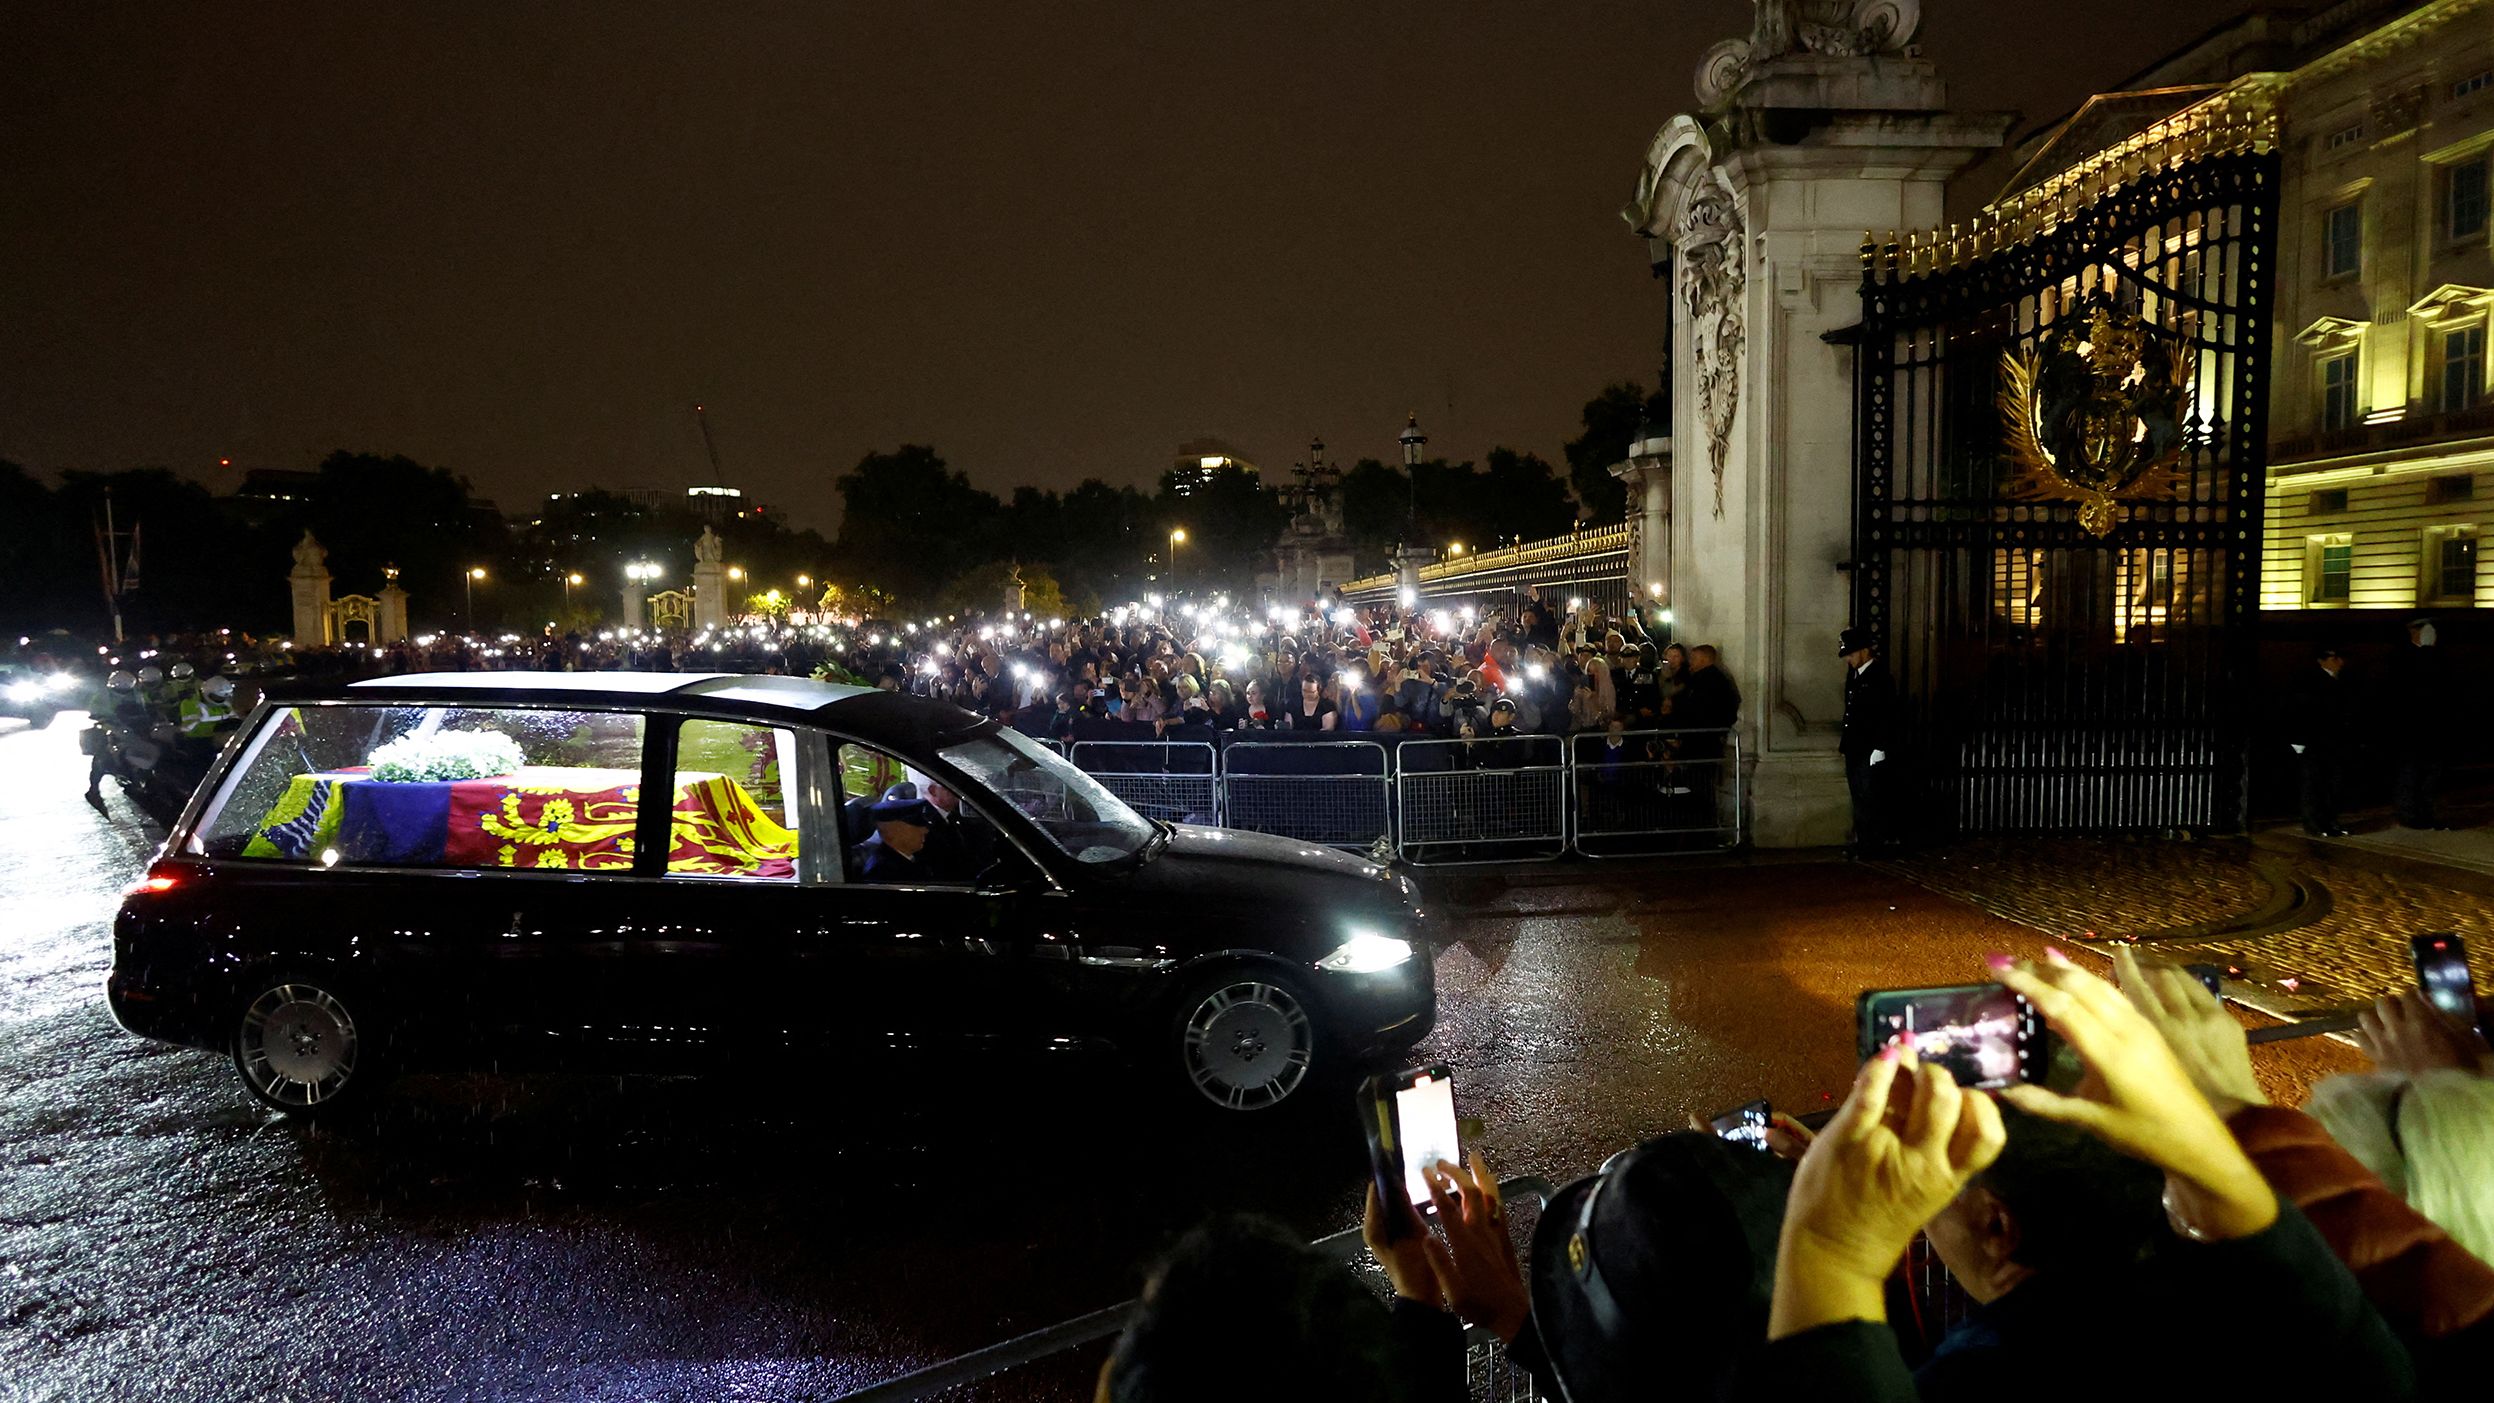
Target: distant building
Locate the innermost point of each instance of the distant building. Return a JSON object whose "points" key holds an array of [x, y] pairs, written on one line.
{"points": [[277, 485], [1199, 460], [2381, 403]]}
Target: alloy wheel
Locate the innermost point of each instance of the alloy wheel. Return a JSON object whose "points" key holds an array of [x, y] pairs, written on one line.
{"points": [[298, 1046], [1248, 1045]]}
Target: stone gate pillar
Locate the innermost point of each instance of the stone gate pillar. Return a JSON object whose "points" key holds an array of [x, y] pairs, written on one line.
{"points": [[1824, 123], [709, 581], [308, 582], [393, 622]]}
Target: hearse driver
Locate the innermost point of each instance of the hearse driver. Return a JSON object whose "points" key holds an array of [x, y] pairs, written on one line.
{"points": [[896, 854]]}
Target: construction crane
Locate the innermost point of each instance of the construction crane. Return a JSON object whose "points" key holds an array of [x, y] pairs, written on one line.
{"points": [[701, 416]]}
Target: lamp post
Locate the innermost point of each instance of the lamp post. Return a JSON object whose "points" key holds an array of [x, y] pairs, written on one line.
{"points": [[638, 574], [568, 581], [1177, 538], [475, 573], [1411, 556]]}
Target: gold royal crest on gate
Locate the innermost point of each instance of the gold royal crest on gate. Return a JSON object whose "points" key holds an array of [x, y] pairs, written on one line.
{"points": [[2094, 416]]}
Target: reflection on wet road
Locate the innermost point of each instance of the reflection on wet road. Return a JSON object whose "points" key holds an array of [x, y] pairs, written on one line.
{"points": [[572, 1237]]}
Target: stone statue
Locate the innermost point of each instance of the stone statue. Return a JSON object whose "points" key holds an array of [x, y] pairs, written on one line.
{"points": [[1017, 593], [310, 555], [709, 550], [1828, 28]]}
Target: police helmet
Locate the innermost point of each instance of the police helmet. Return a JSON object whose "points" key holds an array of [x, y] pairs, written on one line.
{"points": [[121, 681]]}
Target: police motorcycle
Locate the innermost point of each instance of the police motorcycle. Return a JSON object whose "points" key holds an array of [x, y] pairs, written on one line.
{"points": [[158, 736], [36, 694]]}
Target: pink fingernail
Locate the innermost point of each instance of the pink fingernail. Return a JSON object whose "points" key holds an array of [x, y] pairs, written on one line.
{"points": [[1998, 961], [1891, 1052], [2053, 953]]}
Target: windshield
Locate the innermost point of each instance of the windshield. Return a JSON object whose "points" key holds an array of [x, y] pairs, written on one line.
{"points": [[1071, 807]]}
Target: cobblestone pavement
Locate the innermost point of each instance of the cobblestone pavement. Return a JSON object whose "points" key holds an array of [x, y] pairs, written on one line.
{"points": [[2303, 926]]}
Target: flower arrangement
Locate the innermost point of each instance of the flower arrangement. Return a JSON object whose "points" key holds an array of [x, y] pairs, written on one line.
{"points": [[446, 755]]}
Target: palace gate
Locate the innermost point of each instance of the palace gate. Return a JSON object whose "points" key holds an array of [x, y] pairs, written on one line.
{"points": [[2059, 458]]}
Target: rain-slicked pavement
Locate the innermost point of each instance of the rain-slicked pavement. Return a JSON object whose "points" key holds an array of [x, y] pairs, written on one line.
{"points": [[580, 1237]]}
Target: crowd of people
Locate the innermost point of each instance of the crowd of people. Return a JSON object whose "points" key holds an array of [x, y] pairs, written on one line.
{"points": [[2155, 1230], [1533, 668]]}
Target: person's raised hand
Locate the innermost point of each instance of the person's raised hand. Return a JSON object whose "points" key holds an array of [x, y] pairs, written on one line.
{"points": [[2209, 1044], [1404, 1251], [2405, 1034], [1476, 1265], [1903, 1144], [1787, 1138], [2137, 1098]]}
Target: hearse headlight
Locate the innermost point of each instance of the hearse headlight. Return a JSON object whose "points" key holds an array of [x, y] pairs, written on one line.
{"points": [[25, 691], [1366, 952]]}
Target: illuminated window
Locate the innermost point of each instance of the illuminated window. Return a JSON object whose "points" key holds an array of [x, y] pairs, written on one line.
{"points": [[2330, 569], [2463, 367], [2450, 560], [2338, 392], [2342, 241]]}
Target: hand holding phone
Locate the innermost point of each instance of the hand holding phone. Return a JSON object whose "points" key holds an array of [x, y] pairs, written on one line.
{"points": [[1409, 1122], [1745, 1126], [1985, 1035], [2441, 960]]}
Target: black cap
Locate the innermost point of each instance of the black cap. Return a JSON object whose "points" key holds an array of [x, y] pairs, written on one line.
{"points": [[1853, 640], [898, 808], [1659, 1267]]}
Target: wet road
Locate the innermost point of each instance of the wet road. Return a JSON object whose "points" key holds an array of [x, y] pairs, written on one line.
{"points": [[550, 1237]]}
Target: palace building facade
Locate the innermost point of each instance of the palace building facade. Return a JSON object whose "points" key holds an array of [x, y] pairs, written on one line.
{"points": [[2380, 482]]}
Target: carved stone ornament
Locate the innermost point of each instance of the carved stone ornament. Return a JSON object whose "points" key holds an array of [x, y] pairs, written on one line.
{"points": [[1712, 278], [2093, 414], [1831, 28], [709, 549], [310, 556]]}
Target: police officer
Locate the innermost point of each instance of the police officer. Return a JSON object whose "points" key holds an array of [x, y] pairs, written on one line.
{"points": [[1869, 740], [2320, 729], [2420, 710]]}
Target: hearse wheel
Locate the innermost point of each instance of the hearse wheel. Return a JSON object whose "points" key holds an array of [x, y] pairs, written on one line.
{"points": [[300, 1047], [1246, 1040]]}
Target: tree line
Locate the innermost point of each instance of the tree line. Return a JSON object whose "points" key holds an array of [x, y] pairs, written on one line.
{"points": [[915, 536]]}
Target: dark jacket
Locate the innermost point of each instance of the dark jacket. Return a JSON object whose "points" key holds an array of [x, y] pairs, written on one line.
{"points": [[2321, 711], [1870, 711], [2419, 708], [2272, 1315], [1710, 701]]}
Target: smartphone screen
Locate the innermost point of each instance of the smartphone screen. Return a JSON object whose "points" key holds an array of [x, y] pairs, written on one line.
{"points": [[1982, 1033], [1744, 1125], [1424, 1119], [2442, 973]]}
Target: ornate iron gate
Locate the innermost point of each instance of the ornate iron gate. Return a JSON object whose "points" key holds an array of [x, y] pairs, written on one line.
{"points": [[2059, 461]]}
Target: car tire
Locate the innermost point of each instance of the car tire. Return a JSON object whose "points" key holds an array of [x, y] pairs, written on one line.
{"points": [[1245, 1039], [306, 1043]]}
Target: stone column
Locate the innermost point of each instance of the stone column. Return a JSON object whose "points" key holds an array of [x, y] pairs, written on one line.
{"points": [[1807, 139], [308, 582], [1647, 474], [1407, 561], [393, 622]]}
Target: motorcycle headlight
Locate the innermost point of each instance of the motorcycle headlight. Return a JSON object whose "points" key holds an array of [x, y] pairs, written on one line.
{"points": [[60, 682], [24, 691], [1366, 952]]}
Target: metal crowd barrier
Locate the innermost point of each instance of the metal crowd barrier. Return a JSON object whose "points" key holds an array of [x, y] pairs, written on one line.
{"points": [[1175, 780], [1660, 791], [1336, 793], [1493, 1379], [1465, 801]]}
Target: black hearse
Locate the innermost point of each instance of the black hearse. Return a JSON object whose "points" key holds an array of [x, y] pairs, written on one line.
{"points": [[652, 872]]}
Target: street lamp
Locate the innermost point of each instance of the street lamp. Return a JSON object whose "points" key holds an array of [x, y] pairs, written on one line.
{"points": [[475, 573], [568, 581], [804, 580], [1177, 538], [736, 572], [1454, 548]]}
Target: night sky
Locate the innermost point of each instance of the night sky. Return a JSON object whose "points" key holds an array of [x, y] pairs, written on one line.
{"points": [[1054, 240]]}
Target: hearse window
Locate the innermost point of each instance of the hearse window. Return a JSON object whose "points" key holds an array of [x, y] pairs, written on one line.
{"points": [[1077, 812], [735, 802], [924, 836], [433, 786]]}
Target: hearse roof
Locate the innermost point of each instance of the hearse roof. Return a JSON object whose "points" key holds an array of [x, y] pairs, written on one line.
{"points": [[884, 718]]}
